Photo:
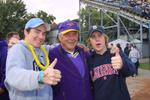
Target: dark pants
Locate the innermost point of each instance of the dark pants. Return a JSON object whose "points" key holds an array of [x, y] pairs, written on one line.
{"points": [[4, 96], [137, 66]]}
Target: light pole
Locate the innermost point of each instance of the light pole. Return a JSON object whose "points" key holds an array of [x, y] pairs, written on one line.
{"points": [[80, 21], [149, 41]]}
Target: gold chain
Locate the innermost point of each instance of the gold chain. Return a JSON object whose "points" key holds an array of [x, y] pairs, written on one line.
{"points": [[35, 57]]}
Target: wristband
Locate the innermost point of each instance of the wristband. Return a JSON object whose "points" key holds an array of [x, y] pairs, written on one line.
{"points": [[41, 77]]}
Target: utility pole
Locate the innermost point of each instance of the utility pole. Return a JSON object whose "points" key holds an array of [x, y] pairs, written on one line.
{"points": [[149, 41], [80, 21]]}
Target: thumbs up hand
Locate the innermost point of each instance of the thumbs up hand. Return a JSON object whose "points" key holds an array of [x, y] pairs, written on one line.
{"points": [[51, 76], [116, 60]]}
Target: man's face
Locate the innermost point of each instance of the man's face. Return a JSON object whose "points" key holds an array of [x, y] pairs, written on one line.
{"points": [[36, 36], [13, 40], [97, 40], [69, 40], [16, 36]]}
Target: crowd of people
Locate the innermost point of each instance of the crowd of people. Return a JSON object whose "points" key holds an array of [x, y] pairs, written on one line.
{"points": [[140, 8], [33, 71]]}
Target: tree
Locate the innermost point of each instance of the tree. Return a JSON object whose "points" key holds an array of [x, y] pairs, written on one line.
{"points": [[11, 16], [47, 18], [87, 13], [88, 17], [40, 14]]}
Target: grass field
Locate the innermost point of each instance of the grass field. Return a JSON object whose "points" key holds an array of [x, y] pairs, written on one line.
{"points": [[145, 66]]}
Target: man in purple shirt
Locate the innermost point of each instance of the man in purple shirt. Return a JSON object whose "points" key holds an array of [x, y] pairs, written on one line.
{"points": [[75, 82]]}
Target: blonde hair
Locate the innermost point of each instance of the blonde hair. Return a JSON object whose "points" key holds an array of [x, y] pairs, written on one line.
{"points": [[89, 44]]}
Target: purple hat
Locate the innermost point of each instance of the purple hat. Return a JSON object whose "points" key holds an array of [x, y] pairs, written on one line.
{"points": [[68, 26], [35, 22]]}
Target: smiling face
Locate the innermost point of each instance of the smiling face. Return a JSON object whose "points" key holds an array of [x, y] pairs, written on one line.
{"points": [[36, 36], [98, 42], [69, 40]]}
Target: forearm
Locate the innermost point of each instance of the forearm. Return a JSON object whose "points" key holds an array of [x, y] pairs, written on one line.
{"points": [[128, 68]]}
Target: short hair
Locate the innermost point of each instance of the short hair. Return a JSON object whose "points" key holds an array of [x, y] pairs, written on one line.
{"points": [[11, 34]]}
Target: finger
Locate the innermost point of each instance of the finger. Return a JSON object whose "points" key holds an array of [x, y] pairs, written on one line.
{"points": [[57, 71], [52, 65], [53, 80], [53, 75], [57, 76], [115, 64], [116, 61], [117, 51], [117, 67]]}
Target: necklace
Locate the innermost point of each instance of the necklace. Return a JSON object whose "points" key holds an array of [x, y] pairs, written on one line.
{"points": [[35, 57]]}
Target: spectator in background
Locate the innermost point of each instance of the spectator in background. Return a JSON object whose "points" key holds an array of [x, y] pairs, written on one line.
{"points": [[3, 55], [12, 38], [111, 45], [134, 55], [127, 49], [119, 46], [112, 48]]}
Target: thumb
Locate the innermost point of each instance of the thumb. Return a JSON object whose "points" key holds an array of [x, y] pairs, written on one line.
{"points": [[52, 65], [117, 51]]}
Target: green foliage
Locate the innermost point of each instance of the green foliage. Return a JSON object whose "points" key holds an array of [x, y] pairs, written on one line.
{"points": [[47, 18], [145, 66], [91, 16], [13, 16], [12, 13], [40, 14], [87, 12]]}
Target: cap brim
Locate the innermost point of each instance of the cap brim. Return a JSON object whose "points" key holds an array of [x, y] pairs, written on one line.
{"points": [[69, 30], [47, 26], [95, 31]]}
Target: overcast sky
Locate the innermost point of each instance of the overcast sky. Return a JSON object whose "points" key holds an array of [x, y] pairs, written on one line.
{"points": [[61, 9]]}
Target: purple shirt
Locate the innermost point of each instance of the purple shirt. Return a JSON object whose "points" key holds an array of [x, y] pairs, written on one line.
{"points": [[78, 62]]}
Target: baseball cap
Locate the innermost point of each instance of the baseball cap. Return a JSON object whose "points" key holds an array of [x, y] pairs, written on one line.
{"points": [[68, 26], [35, 22], [95, 28]]}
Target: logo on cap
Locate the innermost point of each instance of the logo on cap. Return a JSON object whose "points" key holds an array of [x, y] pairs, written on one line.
{"points": [[94, 27], [70, 24]]}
